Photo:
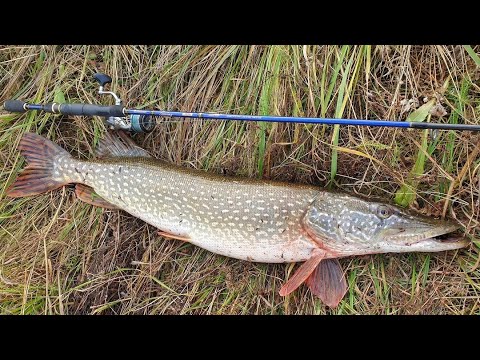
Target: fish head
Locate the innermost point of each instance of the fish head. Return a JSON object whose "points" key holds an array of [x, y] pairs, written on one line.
{"points": [[348, 225]]}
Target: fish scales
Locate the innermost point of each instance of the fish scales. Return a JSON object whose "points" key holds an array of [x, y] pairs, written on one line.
{"points": [[246, 219]]}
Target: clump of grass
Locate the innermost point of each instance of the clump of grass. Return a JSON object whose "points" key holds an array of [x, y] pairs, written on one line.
{"points": [[62, 256]]}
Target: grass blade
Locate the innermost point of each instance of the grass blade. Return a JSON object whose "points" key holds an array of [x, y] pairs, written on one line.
{"points": [[407, 192], [472, 54]]}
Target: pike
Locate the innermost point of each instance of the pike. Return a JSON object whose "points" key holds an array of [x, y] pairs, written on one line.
{"points": [[247, 219]]}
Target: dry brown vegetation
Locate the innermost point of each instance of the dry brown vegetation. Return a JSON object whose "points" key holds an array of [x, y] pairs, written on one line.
{"points": [[62, 256]]}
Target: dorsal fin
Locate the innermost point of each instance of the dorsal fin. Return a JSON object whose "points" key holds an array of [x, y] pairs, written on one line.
{"points": [[119, 144]]}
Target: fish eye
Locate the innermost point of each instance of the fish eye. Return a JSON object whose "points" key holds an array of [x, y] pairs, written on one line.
{"points": [[384, 211]]}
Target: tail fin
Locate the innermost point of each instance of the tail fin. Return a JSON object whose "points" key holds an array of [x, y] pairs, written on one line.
{"points": [[38, 177]]}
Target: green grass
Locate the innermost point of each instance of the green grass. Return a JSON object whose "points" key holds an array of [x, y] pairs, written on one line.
{"points": [[407, 193], [62, 256]]}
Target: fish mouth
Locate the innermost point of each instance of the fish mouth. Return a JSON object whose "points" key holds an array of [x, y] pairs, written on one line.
{"points": [[455, 240], [426, 236], [449, 238]]}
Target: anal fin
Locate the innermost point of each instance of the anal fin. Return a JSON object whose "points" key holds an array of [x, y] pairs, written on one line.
{"points": [[87, 194], [328, 282]]}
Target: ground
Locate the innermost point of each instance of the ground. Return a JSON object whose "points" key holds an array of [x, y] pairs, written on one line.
{"points": [[62, 256]]}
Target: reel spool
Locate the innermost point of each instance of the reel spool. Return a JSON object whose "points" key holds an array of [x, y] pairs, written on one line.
{"points": [[142, 123]]}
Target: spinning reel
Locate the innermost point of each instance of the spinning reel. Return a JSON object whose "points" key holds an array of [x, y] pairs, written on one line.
{"points": [[135, 123]]}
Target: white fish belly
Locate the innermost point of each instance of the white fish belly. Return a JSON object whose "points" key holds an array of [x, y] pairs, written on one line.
{"points": [[293, 247]]}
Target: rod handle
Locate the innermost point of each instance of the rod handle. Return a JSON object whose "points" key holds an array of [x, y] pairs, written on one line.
{"points": [[15, 106], [91, 110]]}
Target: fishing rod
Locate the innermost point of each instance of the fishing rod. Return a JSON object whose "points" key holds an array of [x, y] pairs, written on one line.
{"points": [[118, 117]]}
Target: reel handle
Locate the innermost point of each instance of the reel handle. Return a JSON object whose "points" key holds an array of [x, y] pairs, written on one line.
{"points": [[102, 79]]}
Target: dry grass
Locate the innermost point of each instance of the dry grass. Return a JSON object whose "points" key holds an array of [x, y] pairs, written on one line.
{"points": [[61, 256]]}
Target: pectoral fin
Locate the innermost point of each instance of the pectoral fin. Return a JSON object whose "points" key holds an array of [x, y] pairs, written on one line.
{"points": [[173, 236], [88, 195], [301, 274], [328, 282]]}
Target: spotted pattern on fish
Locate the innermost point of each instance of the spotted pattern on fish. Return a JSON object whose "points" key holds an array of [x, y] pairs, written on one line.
{"points": [[251, 220]]}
